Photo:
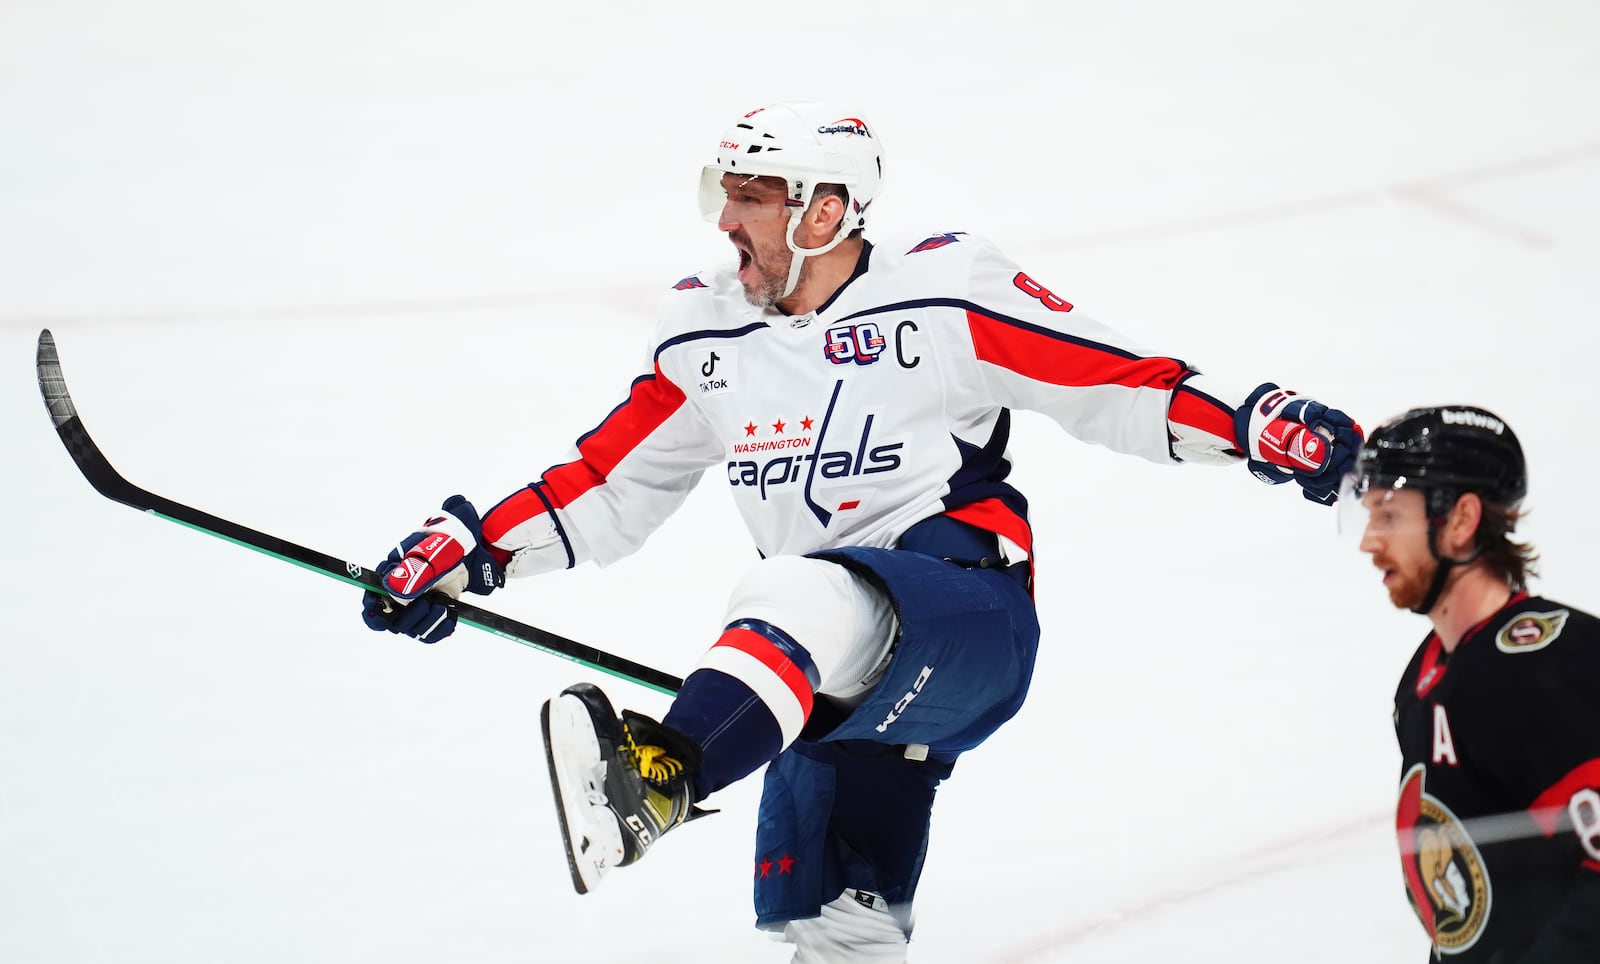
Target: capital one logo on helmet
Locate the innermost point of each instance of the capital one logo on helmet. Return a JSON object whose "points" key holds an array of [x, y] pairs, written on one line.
{"points": [[846, 125]]}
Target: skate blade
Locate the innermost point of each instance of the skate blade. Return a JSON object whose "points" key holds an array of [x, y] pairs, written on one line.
{"points": [[590, 833]]}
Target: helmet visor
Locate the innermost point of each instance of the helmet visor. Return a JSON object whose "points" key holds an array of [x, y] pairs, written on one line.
{"points": [[1371, 504], [742, 198]]}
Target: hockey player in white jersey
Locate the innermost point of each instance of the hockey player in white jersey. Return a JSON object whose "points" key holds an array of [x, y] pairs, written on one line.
{"points": [[857, 397]]}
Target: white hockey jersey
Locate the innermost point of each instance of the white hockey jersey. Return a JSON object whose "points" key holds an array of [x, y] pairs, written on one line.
{"points": [[887, 405]]}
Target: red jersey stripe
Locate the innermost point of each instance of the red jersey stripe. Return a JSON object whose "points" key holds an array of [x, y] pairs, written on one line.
{"points": [[1058, 361], [513, 511], [653, 400], [1548, 807], [992, 515], [1201, 413], [773, 658]]}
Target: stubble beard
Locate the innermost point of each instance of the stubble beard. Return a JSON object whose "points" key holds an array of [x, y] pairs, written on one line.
{"points": [[767, 289]]}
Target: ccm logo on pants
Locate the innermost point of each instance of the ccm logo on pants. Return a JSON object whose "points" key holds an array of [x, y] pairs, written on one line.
{"points": [[905, 701]]}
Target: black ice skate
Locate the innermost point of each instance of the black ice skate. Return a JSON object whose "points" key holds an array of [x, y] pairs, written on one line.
{"points": [[619, 783]]}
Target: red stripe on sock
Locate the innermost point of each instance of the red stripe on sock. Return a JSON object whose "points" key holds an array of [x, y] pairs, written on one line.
{"points": [[770, 656]]}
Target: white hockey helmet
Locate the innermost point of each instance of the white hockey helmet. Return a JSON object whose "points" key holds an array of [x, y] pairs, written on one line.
{"points": [[806, 144]]}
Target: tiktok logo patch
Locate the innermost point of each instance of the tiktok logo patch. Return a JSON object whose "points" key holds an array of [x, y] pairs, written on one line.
{"points": [[717, 369], [862, 344]]}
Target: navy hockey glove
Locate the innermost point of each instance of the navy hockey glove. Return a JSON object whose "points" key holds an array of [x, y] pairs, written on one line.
{"points": [[1288, 436], [442, 559], [428, 619]]}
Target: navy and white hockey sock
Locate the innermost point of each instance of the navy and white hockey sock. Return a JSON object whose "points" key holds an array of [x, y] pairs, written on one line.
{"points": [[747, 700]]}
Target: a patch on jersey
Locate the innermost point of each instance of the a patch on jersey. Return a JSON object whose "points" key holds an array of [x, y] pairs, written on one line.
{"points": [[1531, 631], [718, 368], [689, 283], [1445, 876], [863, 343], [937, 241]]}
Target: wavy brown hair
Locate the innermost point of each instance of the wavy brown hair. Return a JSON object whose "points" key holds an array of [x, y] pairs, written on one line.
{"points": [[1516, 561]]}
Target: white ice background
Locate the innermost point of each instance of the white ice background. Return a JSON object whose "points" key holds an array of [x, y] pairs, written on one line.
{"points": [[314, 266]]}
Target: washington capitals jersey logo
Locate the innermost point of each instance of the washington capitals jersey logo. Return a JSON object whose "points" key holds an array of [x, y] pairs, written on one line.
{"points": [[693, 281], [937, 241]]}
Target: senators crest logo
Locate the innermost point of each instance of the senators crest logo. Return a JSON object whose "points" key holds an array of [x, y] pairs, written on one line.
{"points": [[1531, 631], [1444, 872]]}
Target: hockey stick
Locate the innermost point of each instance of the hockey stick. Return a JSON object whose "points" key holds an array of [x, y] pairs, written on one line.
{"points": [[109, 483]]}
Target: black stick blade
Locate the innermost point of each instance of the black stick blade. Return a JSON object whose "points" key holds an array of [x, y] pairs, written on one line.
{"points": [[52, 385]]}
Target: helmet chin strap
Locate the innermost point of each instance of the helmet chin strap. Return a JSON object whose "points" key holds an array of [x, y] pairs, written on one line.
{"points": [[801, 254], [1442, 573]]}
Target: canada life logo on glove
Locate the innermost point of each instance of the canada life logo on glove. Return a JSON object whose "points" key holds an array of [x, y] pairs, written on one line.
{"points": [[1310, 450], [436, 552], [1292, 445], [403, 578]]}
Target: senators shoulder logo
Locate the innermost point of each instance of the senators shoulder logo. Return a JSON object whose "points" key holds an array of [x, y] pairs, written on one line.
{"points": [[1445, 876], [1531, 631]]}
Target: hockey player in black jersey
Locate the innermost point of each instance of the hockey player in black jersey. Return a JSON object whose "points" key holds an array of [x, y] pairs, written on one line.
{"points": [[1498, 713]]}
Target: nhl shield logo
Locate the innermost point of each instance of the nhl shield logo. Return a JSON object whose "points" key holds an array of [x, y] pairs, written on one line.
{"points": [[1531, 631]]}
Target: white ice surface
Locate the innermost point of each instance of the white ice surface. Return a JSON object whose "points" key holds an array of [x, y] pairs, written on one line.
{"points": [[315, 266]]}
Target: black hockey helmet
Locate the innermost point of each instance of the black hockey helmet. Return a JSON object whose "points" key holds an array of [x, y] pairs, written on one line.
{"points": [[1445, 451]]}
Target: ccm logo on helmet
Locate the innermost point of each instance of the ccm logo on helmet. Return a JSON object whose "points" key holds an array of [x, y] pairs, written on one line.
{"points": [[1475, 419], [845, 125]]}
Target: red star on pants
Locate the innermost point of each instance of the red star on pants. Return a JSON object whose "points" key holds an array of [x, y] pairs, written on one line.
{"points": [[764, 867], [750, 429], [785, 866]]}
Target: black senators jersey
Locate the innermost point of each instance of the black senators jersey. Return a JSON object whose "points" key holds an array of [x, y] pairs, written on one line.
{"points": [[1499, 813]]}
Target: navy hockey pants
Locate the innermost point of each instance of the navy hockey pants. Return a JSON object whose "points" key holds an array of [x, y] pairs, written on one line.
{"points": [[844, 806]]}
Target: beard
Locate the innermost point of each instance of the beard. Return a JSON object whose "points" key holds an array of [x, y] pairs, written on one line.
{"points": [[769, 273], [1408, 587]]}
